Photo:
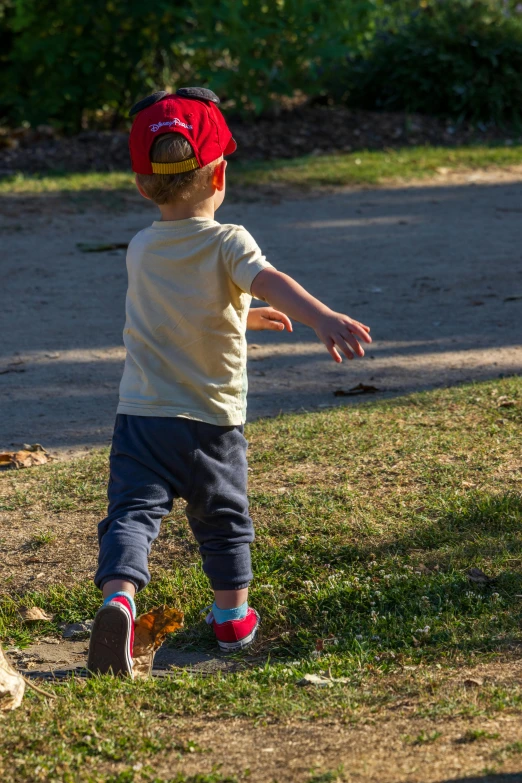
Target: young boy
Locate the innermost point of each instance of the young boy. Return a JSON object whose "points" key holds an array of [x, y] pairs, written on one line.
{"points": [[179, 424]]}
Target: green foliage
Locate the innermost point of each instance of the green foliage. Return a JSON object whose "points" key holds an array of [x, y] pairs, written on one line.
{"points": [[250, 52], [68, 64], [458, 58], [68, 58], [65, 59]]}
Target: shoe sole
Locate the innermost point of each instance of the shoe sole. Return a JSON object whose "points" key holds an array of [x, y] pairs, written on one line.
{"points": [[241, 644], [110, 641]]}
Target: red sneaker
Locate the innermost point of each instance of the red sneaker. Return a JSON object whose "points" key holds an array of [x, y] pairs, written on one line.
{"points": [[235, 634], [112, 639]]}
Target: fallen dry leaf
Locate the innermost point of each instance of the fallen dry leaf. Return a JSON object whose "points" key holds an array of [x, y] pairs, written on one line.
{"points": [[149, 632], [34, 613], [320, 644], [320, 680], [478, 577], [89, 247], [12, 685], [505, 402], [471, 682], [361, 388], [9, 368], [27, 457], [315, 679]]}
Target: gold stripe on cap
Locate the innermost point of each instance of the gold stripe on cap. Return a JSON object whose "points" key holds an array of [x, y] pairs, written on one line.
{"points": [[175, 168]]}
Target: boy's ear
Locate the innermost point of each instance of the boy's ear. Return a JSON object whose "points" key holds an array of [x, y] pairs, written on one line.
{"points": [[218, 176], [142, 192]]}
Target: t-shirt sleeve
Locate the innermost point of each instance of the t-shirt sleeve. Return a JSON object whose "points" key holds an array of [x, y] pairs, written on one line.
{"points": [[243, 257]]}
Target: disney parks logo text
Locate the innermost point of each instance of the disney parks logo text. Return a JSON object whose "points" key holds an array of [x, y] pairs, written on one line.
{"points": [[175, 121]]}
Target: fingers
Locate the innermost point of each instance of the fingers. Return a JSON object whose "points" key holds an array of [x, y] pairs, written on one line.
{"points": [[341, 333], [360, 330], [346, 343], [332, 350], [277, 316], [284, 319], [267, 318], [274, 325], [354, 344], [359, 323], [342, 341]]}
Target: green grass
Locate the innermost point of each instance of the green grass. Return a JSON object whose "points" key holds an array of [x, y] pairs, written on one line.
{"points": [[477, 735], [366, 167], [380, 508], [423, 738], [375, 167], [62, 182], [368, 519], [42, 538]]}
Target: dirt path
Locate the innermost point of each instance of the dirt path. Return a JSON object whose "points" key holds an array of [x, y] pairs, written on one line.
{"points": [[435, 269]]}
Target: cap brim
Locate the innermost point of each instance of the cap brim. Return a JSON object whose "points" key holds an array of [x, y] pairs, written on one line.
{"points": [[231, 147]]}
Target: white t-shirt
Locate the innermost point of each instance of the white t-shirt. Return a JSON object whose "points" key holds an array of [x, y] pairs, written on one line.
{"points": [[186, 311]]}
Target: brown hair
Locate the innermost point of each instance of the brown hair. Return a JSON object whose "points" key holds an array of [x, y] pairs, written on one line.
{"points": [[167, 188]]}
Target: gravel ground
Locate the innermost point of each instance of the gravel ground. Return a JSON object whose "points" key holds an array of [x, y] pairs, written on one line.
{"points": [[435, 269]]}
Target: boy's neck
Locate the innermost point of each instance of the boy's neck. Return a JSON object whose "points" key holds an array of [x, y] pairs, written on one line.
{"points": [[182, 210]]}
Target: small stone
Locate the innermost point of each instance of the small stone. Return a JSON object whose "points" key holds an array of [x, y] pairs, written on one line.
{"points": [[77, 630]]}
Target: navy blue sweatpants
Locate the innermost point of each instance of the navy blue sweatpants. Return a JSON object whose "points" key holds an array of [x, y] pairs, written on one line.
{"points": [[156, 459]]}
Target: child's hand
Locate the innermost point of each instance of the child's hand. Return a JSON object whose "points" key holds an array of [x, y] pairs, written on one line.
{"points": [[333, 329], [268, 318], [336, 330]]}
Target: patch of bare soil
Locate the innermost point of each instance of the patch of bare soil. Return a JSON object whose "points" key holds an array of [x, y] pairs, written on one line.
{"points": [[380, 750], [71, 554], [306, 129], [53, 659]]}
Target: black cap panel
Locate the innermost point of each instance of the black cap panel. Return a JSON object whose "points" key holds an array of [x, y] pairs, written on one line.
{"points": [[146, 102], [198, 93]]}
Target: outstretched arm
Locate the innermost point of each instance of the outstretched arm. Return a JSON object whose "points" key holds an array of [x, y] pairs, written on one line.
{"points": [[335, 330]]}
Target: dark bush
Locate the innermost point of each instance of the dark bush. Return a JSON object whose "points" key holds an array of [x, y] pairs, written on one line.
{"points": [[66, 61], [70, 64], [67, 58], [456, 58]]}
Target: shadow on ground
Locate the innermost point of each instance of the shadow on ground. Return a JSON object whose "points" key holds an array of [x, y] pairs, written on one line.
{"points": [[514, 777], [436, 271]]}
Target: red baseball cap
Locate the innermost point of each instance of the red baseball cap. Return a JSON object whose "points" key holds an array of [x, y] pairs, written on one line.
{"points": [[191, 111]]}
